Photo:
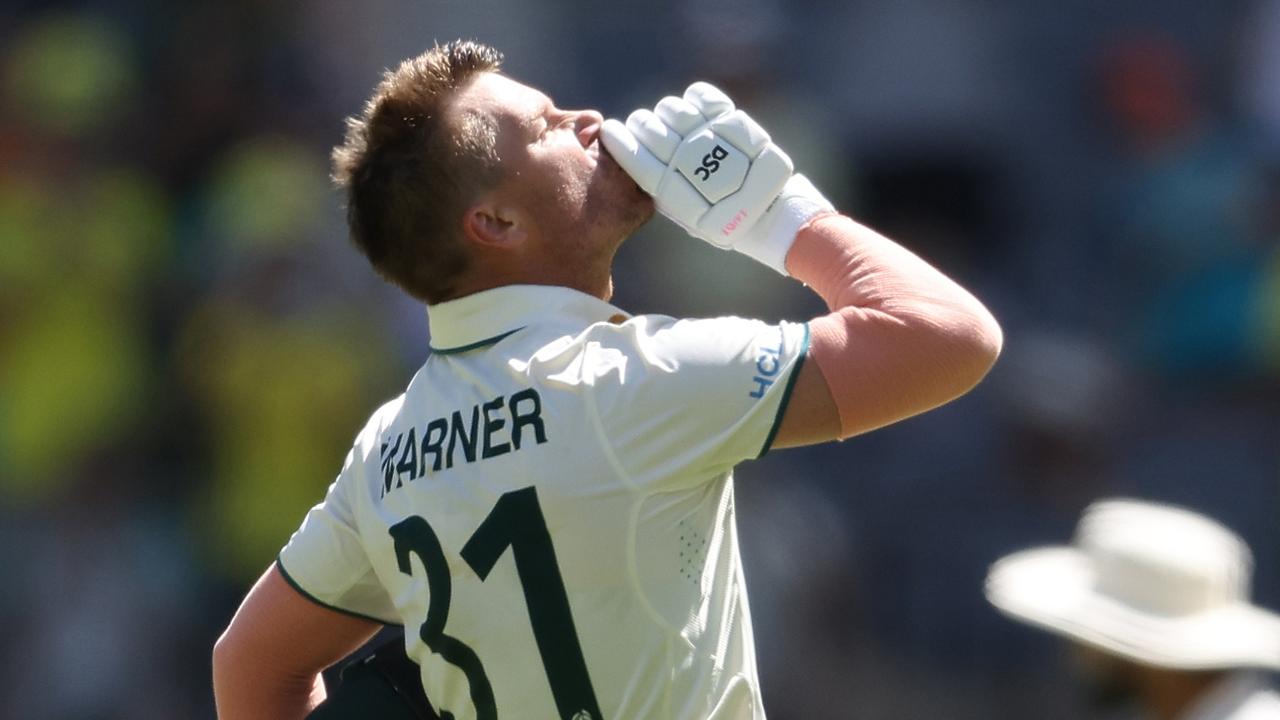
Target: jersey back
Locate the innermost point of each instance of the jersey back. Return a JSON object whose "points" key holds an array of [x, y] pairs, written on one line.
{"points": [[548, 509]]}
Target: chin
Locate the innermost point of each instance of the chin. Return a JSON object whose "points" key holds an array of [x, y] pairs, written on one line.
{"points": [[621, 199], [635, 210], [618, 211], [643, 213]]}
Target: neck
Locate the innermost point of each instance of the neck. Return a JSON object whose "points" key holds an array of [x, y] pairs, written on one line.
{"points": [[597, 284], [590, 275]]}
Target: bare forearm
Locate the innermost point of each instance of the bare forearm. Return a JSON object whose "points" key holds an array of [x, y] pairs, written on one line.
{"points": [[246, 690], [267, 663], [901, 337]]}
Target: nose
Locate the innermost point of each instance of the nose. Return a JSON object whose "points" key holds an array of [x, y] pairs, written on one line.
{"points": [[587, 124]]}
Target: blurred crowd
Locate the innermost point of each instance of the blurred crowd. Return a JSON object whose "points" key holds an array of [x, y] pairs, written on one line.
{"points": [[188, 343]]}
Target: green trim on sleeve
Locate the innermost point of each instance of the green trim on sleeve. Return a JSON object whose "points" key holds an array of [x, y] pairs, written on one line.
{"points": [[786, 392], [294, 584], [475, 345]]}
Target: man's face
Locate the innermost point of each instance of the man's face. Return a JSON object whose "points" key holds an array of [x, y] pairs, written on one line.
{"points": [[555, 171]]}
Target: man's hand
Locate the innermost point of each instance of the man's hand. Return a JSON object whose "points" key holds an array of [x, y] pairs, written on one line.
{"points": [[715, 172]]}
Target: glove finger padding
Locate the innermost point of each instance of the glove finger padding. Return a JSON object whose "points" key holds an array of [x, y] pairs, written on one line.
{"points": [[708, 99], [632, 156], [739, 129], [679, 115], [654, 134]]}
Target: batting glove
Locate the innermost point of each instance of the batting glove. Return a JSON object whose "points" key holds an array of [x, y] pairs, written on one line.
{"points": [[715, 172]]}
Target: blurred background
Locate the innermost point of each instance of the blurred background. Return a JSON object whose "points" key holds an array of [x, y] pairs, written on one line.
{"points": [[188, 343]]}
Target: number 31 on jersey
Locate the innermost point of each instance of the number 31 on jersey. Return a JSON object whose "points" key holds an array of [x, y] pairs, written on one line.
{"points": [[516, 521]]}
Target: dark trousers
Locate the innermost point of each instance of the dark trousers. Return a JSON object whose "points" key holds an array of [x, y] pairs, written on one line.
{"points": [[385, 684]]}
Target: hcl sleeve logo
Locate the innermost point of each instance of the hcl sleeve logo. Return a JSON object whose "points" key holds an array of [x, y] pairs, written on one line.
{"points": [[768, 365]]}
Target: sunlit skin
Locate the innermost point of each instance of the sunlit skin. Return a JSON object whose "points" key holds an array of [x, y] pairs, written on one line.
{"points": [[557, 216], [563, 206]]}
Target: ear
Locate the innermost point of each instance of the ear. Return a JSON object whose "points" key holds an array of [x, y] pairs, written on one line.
{"points": [[494, 225]]}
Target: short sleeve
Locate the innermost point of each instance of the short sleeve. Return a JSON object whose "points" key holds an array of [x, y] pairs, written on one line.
{"points": [[326, 562], [689, 398]]}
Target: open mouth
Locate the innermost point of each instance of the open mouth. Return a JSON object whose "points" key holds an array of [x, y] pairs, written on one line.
{"points": [[590, 138]]}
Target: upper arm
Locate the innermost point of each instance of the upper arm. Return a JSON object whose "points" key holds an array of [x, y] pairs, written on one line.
{"points": [[902, 337], [811, 415], [869, 369], [267, 661]]}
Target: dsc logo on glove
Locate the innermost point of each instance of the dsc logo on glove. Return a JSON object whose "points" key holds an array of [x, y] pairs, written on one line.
{"points": [[711, 162]]}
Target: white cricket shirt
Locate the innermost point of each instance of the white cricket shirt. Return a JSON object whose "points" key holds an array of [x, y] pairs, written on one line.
{"points": [[548, 509]]}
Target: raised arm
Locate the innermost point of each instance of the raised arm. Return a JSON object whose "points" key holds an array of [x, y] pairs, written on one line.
{"points": [[901, 337]]}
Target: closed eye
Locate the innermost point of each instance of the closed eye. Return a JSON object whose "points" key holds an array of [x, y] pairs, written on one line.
{"points": [[549, 119], [557, 119], [538, 128]]}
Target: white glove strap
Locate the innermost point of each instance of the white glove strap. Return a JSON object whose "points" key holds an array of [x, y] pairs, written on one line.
{"points": [[769, 242]]}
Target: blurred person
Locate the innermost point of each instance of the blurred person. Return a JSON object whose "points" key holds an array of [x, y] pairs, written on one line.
{"points": [[1177, 217], [272, 386], [1261, 71], [1061, 399], [597, 445], [84, 237], [1268, 298], [105, 571], [257, 355], [1155, 600]]}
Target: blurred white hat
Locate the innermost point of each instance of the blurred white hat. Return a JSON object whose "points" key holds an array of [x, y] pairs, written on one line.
{"points": [[1152, 583]]}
